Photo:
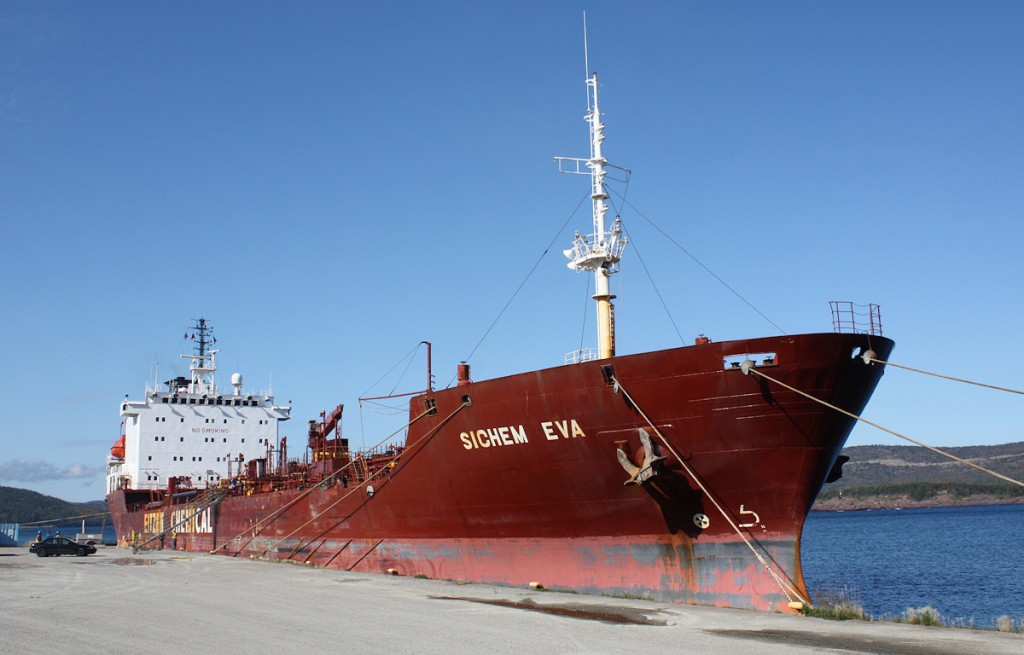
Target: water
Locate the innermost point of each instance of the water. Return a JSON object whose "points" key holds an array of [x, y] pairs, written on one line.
{"points": [[28, 534], [966, 562]]}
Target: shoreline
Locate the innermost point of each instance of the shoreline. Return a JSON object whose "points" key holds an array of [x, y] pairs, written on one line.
{"points": [[894, 502]]}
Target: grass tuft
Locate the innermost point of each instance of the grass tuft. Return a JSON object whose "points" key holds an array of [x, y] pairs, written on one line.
{"points": [[926, 615], [842, 604], [1006, 623], [838, 605]]}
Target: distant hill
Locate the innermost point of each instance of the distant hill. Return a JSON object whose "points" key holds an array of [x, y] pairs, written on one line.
{"points": [[911, 476], [24, 506]]}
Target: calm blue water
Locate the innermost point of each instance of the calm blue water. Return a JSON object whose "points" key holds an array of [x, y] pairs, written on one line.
{"points": [[966, 562]]}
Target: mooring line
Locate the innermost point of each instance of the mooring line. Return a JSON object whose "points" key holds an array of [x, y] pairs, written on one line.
{"points": [[407, 452], [787, 589], [48, 522], [328, 562], [259, 525], [310, 556], [206, 502], [749, 367], [947, 377]]}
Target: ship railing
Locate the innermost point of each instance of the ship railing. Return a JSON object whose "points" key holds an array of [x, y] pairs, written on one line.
{"points": [[244, 393], [581, 355], [851, 318], [372, 461]]}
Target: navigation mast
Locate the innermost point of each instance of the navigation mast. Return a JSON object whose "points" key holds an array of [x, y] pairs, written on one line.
{"points": [[204, 362], [600, 251]]}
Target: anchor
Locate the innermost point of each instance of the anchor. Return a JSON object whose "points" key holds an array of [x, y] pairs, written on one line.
{"points": [[640, 474]]}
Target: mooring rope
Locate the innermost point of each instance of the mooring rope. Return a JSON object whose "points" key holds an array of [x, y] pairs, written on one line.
{"points": [[390, 461], [749, 367], [259, 525], [49, 522], [787, 589], [205, 500], [946, 377]]}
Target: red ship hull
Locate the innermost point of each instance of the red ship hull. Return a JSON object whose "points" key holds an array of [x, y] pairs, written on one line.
{"points": [[517, 480]]}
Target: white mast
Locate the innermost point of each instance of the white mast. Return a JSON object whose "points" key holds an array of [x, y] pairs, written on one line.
{"points": [[601, 251], [204, 361]]}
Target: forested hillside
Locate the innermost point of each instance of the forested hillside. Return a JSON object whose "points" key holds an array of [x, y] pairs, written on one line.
{"points": [[909, 476], [24, 506]]}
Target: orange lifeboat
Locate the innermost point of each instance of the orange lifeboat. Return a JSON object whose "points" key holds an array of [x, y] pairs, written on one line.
{"points": [[117, 450]]}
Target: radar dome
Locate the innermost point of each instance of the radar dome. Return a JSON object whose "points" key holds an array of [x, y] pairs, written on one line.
{"points": [[236, 379]]}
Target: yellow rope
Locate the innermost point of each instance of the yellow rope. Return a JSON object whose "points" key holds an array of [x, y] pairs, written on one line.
{"points": [[359, 486], [786, 588], [948, 377], [208, 500], [259, 525], [753, 369]]}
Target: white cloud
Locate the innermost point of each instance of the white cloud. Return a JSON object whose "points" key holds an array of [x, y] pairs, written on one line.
{"points": [[19, 471]]}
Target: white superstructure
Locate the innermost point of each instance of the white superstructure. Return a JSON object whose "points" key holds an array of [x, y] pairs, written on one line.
{"points": [[192, 429]]}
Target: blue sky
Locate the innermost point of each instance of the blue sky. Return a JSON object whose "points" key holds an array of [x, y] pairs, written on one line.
{"points": [[331, 183]]}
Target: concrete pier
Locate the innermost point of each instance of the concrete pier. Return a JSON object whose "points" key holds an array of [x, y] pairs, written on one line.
{"points": [[177, 602]]}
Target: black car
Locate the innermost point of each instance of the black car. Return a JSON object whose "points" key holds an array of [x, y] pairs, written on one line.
{"points": [[60, 546]]}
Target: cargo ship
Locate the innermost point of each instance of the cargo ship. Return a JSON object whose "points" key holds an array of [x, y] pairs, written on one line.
{"points": [[680, 475]]}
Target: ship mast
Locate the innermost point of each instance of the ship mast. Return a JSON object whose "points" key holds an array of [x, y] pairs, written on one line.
{"points": [[601, 251], [204, 361]]}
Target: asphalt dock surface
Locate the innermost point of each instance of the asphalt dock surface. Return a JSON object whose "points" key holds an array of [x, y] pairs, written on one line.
{"points": [[175, 602]]}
